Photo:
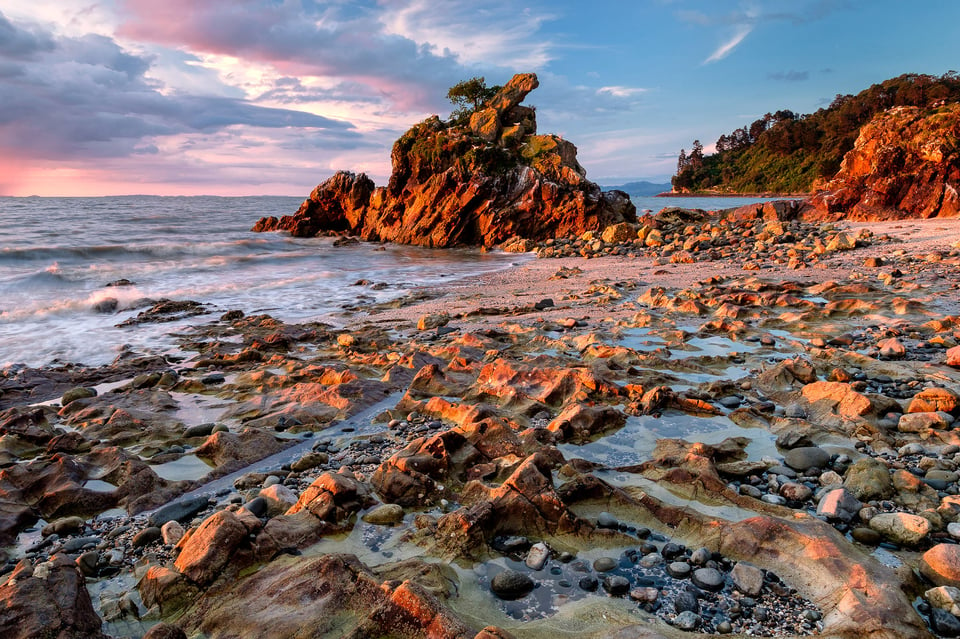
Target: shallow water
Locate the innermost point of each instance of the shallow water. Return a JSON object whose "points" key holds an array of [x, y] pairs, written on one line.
{"points": [[57, 256]]}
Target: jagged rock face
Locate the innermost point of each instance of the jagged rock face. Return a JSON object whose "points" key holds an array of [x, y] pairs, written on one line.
{"points": [[477, 184], [905, 163]]}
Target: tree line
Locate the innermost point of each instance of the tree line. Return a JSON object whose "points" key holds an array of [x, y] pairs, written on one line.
{"points": [[786, 152]]}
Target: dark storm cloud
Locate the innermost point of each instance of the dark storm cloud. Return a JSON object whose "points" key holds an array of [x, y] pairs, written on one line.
{"points": [[81, 97]]}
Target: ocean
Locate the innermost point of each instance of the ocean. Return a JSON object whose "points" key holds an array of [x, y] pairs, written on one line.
{"points": [[59, 255]]}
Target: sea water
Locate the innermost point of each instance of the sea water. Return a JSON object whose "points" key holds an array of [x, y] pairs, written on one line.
{"points": [[58, 255]]}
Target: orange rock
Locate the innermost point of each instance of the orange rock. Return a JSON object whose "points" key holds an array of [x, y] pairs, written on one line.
{"points": [[941, 565], [210, 547], [953, 357], [846, 401], [934, 399]]}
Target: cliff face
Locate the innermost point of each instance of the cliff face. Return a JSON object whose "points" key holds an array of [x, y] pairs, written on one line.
{"points": [[480, 183], [905, 163]]}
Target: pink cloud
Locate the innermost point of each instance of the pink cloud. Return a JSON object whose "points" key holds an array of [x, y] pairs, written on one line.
{"points": [[332, 42]]}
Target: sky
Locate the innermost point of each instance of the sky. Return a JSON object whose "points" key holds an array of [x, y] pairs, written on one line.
{"points": [[271, 97]]}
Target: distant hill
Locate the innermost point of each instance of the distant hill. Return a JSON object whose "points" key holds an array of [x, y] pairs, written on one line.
{"points": [[784, 152], [642, 188]]}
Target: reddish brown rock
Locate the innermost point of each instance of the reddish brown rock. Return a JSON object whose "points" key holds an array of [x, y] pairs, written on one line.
{"points": [[934, 399], [941, 565], [333, 497], [953, 357], [50, 600], [578, 423], [484, 183], [845, 401], [249, 445], [903, 164], [327, 596], [210, 547]]}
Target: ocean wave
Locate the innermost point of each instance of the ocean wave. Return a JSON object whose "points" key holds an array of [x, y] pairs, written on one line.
{"points": [[168, 250]]}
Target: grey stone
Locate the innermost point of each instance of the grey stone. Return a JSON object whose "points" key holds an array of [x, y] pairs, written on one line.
{"points": [[616, 585], [511, 584], [687, 620], [806, 457], [707, 578], [537, 557], [747, 578]]}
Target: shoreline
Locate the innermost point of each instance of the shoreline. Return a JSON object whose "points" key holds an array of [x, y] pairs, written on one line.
{"points": [[654, 412]]}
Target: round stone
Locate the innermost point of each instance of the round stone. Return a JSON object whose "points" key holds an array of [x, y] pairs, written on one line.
{"points": [[616, 585], [866, 536], [384, 515], [944, 623], [589, 583], [678, 569], [687, 620], [806, 457], [606, 520], [707, 578], [671, 550], [941, 565], [700, 556], [686, 601], [604, 564], [511, 584], [724, 627]]}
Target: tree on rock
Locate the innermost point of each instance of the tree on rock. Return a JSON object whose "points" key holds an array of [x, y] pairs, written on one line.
{"points": [[469, 95]]}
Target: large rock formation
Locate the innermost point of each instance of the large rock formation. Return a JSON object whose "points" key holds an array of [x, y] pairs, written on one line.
{"points": [[480, 183], [905, 163]]}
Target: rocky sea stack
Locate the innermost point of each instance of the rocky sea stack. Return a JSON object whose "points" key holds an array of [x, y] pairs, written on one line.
{"points": [[484, 182]]}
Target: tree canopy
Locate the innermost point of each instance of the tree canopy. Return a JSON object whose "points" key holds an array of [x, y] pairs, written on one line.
{"points": [[469, 95], [787, 153]]}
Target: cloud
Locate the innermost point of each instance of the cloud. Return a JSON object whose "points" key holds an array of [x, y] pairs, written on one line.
{"points": [[82, 97], [727, 47], [620, 91], [21, 43], [790, 76], [499, 34]]}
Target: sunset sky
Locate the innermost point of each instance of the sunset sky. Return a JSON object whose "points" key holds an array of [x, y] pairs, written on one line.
{"points": [[245, 97]]}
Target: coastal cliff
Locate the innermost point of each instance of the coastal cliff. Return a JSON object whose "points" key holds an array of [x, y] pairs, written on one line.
{"points": [[478, 183], [905, 163]]}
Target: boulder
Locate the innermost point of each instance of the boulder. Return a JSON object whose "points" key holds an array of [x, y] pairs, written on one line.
{"points": [[941, 565], [933, 400], [868, 479], [210, 547], [901, 528], [49, 600]]}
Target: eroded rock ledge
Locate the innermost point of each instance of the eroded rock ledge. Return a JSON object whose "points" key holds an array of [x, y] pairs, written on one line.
{"points": [[483, 183]]}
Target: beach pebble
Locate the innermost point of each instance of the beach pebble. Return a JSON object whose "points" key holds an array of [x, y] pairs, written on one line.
{"points": [[678, 569], [747, 578], [604, 564], [839, 504], [384, 515], [806, 457], [901, 528], [537, 556], [171, 532], [945, 597], [686, 601], [687, 620], [511, 584], [606, 520], [146, 536], [708, 579], [589, 583], [944, 623], [616, 585]]}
